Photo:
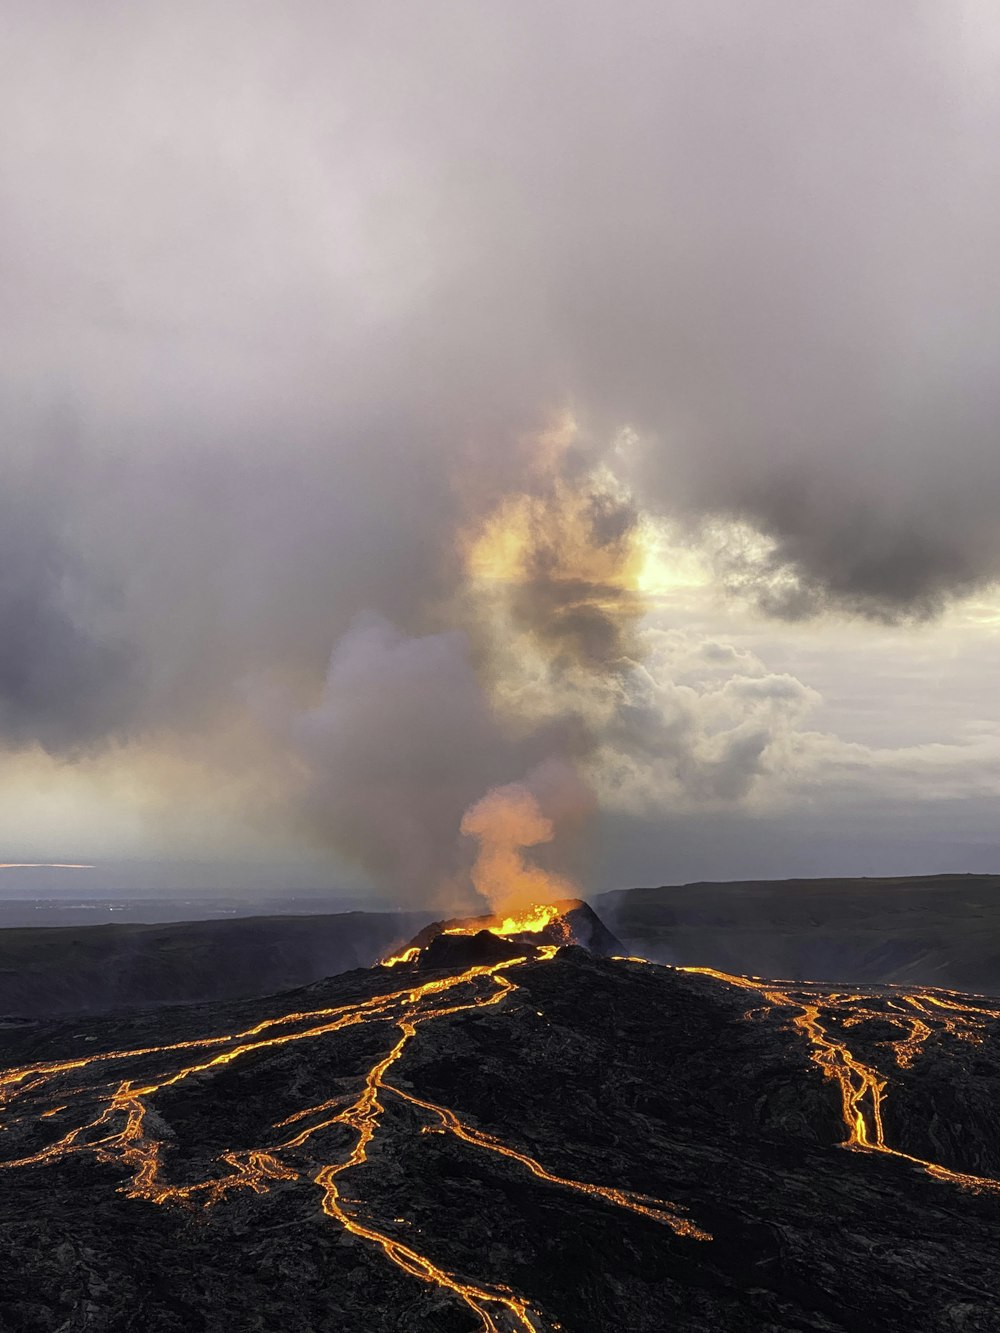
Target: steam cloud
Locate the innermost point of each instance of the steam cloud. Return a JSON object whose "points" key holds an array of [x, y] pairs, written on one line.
{"points": [[506, 821], [285, 328]]}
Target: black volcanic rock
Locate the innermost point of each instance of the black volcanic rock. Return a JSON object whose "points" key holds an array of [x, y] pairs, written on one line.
{"points": [[461, 951], [697, 1092], [586, 929], [577, 923]]}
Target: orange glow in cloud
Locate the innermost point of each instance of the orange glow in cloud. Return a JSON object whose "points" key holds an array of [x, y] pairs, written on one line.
{"points": [[507, 820]]}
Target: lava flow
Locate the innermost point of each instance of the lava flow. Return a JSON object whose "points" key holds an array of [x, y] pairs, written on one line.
{"points": [[863, 1089], [117, 1122], [546, 920]]}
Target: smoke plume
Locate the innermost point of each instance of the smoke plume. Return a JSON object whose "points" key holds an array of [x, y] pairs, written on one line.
{"points": [[505, 822], [323, 329]]}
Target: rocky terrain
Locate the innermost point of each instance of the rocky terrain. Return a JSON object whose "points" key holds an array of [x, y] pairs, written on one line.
{"points": [[549, 1140], [940, 930]]}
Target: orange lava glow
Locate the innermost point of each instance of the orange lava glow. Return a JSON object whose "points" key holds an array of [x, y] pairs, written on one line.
{"points": [[407, 956], [527, 922], [863, 1089], [124, 1130], [505, 822], [643, 1204]]}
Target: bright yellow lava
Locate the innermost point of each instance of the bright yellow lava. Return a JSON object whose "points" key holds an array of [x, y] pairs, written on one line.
{"points": [[123, 1129], [862, 1088], [406, 956], [529, 921]]}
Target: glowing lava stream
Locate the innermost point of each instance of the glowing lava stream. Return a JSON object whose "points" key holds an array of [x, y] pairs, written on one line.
{"points": [[643, 1204], [862, 1089], [121, 1134]]}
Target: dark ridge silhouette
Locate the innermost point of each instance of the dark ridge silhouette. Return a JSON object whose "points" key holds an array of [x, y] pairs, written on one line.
{"points": [[94, 969], [934, 930]]}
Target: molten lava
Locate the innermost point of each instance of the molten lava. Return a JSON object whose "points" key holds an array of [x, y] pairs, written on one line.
{"points": [[568, 921], [405, 956], [863, 1088], [116, 1121], [104, 1104], [530, 921]]}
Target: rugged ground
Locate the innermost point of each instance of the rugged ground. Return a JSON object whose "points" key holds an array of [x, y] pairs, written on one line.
{"points": [[936, 930], [567, 1141]]}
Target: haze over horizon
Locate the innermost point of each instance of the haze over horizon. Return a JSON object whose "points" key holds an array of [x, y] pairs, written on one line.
{"points": [[407, 404]]}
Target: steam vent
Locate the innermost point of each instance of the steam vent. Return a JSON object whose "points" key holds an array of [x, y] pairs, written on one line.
{"points": [[507, 1127]]}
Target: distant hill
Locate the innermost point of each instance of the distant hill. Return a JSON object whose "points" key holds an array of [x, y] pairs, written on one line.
{"points": [[95, 969], [937, 930], [941, 930]]}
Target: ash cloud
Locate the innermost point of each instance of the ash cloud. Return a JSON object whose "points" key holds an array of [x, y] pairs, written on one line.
{"points": [[305, 282], [400, 744]]}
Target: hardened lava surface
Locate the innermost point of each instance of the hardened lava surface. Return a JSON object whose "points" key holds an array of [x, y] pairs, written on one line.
{"points": [[518, 1145]]}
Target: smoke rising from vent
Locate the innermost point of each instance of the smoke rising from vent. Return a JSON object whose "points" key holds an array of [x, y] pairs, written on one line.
{"points": [[506, 822], [416, 740]]}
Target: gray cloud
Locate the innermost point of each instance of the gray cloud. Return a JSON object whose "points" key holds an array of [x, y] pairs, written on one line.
{"points": [[400, 744], [67, 681], [288, 288]]}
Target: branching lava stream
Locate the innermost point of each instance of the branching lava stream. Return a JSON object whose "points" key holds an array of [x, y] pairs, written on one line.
{"points": [[110, 1098], [125, 1129], [863, 1089]]}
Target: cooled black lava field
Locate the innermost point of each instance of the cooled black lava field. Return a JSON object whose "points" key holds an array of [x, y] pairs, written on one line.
{"points": [[550, 1140]]}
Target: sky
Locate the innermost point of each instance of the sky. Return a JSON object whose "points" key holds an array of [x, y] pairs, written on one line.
{"points": [[579, 413]]}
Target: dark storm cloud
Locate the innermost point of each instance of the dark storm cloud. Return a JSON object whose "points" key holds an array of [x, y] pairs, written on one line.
{"points": [[65, 683], [60, 687], [302, 277]]}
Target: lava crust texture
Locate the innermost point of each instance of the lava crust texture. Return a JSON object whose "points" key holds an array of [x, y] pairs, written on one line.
{"points": [[516, 1145]]}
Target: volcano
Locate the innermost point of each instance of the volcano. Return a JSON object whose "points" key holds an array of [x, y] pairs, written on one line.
{"points": [[553, 1139], [464, 940]]}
